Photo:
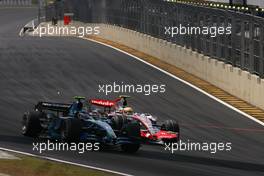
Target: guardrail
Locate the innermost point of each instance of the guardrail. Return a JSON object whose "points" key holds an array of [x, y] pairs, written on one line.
{"points": [[244, 48], [15, 2]]}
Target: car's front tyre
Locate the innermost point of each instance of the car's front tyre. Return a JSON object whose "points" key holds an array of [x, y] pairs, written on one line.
{"points": [[71, 130], [173, 126], [170, 125], [31, 126]]}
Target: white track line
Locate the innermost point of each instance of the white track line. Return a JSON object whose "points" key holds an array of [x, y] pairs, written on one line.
{"points": [[183, 81], [64, 162]]}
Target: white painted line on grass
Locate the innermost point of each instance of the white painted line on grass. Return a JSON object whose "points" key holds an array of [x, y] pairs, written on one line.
{"points": [[5, 155], [4, 174], [65, 162], [183, 81]]}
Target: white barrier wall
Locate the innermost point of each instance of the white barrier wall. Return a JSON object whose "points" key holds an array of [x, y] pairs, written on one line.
{"points": [[15, 2], [239, 83]]}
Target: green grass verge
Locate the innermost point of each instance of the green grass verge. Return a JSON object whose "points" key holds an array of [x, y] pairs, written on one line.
{"points": [[30, 166]]}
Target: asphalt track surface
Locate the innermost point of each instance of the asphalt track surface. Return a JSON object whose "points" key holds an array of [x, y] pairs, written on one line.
{"points": [[33, 69]]}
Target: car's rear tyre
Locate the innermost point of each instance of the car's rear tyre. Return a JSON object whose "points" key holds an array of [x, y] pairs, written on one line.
{"points": [[31, 126], [130, 148], [132, 131], [118, 122], [71, 130]]}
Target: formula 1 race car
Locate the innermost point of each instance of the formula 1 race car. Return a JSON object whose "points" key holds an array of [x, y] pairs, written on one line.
{"points": [[150, 130], [75, 122]]}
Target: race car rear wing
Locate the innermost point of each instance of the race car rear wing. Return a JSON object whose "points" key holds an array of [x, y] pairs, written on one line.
{"points": [[109, 103], [103, 103], [58, 107]]}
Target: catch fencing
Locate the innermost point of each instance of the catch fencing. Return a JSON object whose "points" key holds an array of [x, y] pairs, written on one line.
{"points": [[15, 3], [243, 48]]}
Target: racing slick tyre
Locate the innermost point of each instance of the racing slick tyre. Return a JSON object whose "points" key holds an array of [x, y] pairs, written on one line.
{"points": [[118, 122], [71, 130], [171, 125], [132, 131], [31, 126], [130, 148]]}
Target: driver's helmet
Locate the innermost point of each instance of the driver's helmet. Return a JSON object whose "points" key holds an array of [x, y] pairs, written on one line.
{"points": [[75, 108], [151, 118], [128, 110], [79, 106]]}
